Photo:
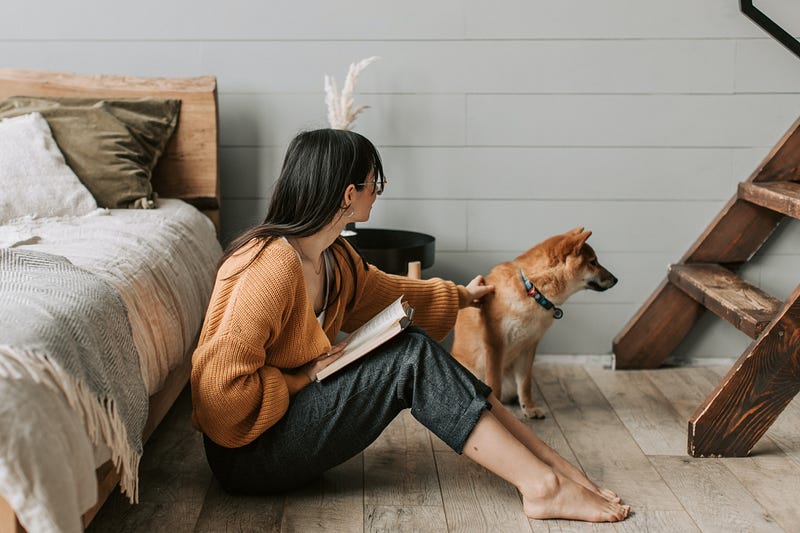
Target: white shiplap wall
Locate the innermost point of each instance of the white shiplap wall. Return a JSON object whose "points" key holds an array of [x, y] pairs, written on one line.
{"points": [[500, 123]]}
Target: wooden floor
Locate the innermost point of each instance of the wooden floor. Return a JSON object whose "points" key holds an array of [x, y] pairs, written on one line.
{"points": [[626, 429]]}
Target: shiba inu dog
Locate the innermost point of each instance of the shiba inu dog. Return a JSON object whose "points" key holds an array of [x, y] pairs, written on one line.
{"points": [[498, 340]]}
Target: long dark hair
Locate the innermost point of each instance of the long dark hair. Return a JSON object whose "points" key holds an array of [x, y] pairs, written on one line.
{"points": [[318, 167]]}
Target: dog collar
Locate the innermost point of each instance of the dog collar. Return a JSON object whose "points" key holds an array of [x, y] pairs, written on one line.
{"points": [[540, 298]]}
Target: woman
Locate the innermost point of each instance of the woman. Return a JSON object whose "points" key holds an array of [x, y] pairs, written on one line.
{"points": [[285, 289]]}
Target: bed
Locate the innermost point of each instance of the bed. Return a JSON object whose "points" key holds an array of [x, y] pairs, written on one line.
{"points": [[56, 468]]}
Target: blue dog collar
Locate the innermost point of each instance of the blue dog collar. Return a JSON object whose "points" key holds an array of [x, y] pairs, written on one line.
{"points": [[540, 298]]}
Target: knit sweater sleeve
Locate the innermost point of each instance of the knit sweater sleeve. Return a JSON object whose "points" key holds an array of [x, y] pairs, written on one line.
{"points": [[435, 301], [236, 396]]}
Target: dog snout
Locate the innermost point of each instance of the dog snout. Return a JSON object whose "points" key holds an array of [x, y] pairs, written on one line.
{"points": [[603, 282]]}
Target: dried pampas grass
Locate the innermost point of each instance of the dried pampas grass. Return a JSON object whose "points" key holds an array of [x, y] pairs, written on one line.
{"points": [[341, 114]]}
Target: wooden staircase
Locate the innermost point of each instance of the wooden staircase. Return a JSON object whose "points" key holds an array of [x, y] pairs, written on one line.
{"points": [[766, 377]]}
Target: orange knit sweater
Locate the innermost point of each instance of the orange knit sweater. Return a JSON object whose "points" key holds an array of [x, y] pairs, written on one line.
{"points": [[260, 324]]}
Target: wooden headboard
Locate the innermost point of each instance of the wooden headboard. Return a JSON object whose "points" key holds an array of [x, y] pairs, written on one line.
{"points": [[189, 167]]}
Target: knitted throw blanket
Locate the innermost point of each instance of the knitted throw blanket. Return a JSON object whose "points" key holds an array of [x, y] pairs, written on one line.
{"points": [[65, 327]]}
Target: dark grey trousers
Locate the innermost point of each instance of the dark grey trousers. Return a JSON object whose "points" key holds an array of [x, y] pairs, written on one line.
{"points": [[331, 421]]}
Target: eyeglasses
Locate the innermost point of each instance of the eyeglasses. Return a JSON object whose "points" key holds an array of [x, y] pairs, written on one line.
{"points": [[377, 186]]}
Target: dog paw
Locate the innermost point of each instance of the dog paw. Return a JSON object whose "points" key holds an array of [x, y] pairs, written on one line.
{"points": [[533, 412]]}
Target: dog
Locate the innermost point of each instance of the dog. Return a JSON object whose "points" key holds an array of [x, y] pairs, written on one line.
{"points": [[497, 341]]}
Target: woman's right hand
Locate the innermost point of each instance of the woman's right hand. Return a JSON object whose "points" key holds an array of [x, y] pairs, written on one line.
{"points": [[311, 368], [474, 293]]}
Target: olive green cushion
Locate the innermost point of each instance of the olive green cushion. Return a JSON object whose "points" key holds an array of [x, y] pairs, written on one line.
{"points": [[112, 145]]}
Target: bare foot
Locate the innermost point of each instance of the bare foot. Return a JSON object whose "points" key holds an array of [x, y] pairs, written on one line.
{"points": [[577, 476], [582, 480], [563, 498]]}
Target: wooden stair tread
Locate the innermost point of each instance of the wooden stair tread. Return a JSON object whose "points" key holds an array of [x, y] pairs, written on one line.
{"points": [[721, 291], [780, 196]]}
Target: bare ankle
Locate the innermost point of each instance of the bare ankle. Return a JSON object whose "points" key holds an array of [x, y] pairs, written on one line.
{"points": [[544, 487]]}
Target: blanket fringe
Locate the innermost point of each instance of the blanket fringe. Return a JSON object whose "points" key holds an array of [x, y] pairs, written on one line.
{"points": [[103, 423]]}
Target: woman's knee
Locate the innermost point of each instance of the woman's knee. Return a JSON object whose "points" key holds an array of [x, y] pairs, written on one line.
{"points": [[418, 334], [418, 345]]}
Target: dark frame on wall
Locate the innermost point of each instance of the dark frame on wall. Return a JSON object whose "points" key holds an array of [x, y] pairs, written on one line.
{"points": [[769, 25]]}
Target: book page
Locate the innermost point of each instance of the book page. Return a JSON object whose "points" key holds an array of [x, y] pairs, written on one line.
{"points": [[382, 327], [391, 314], [363, 349]]}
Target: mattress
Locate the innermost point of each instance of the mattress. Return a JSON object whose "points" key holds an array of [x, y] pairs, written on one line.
{"points": [[162, 264]]}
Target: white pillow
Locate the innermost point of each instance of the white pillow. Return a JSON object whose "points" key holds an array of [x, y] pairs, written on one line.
{"points": [[35, 180]]}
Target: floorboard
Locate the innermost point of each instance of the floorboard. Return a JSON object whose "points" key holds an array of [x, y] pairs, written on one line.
{"points": [[655, 425], [390, 518], [625, 429], [224, 512], [712, 495], [769, 475], [333, 503]]}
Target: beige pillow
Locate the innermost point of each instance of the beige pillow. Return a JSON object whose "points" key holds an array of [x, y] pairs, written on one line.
{"points": [[111, 144], [34, 179]]}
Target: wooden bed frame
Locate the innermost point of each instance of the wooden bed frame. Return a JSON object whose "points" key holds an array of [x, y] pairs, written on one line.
{"points": [[188, 169]]}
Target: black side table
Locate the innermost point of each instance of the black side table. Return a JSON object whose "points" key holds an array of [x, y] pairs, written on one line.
{"points": [[395, 251]]}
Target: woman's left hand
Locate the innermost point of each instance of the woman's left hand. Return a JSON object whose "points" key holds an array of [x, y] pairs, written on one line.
{"points": [[476, 290], [318, 363]]}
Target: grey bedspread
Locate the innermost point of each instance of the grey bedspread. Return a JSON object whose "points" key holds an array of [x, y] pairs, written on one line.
{"points": [[64, 326]]}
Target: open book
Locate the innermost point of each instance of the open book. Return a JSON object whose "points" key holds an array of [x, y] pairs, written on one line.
{"points": [[382, 327]]}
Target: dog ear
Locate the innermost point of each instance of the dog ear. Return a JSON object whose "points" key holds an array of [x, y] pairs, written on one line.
{"points": [[577, 241], [576, 231]]}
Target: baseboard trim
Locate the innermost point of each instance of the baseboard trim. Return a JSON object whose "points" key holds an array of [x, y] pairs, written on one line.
{"points": [[605, 361], [608, 360], [700, 361]]}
